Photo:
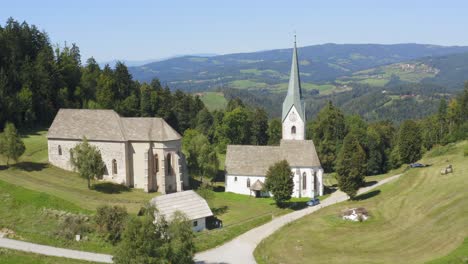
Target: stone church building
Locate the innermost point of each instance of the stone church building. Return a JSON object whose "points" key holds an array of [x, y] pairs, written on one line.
{"points": [[246, 166], [143, 153]]}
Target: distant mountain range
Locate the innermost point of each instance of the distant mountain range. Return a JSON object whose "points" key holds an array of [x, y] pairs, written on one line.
{"points": [[136, 63], [323, 67]]}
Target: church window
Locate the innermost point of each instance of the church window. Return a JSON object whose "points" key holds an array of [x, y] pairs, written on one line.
{"points": [[235, 179], [114, 166], [169, 165], [293, 130], [60, 150], [155, 164], [304, 181], [248, 182], [195, 223]]}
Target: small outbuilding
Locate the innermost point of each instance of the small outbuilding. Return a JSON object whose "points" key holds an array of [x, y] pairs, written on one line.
{"points": [[188, 202]]}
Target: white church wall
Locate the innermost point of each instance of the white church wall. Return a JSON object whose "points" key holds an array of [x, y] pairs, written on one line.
{"points": [[109, 151], [293, 119], [238, 183]]}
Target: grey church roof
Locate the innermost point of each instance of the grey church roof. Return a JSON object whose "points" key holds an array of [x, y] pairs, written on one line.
{"points": [[294, 95], [187, 202], [107, 125], [255, 160]]}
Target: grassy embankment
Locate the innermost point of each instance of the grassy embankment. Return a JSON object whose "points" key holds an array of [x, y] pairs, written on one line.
{"points": [[421, 217], [15, 257]]}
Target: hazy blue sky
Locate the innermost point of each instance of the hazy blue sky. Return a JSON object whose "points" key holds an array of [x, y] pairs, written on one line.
{"points": [[138, 30]]}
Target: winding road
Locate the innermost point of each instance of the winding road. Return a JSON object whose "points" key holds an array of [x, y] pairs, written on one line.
{"points": [[238, 250]]}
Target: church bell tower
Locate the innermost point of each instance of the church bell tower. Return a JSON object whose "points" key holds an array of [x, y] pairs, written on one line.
{"points": [[293, 117]]}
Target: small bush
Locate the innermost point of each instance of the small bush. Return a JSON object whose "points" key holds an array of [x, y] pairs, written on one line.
{"points": [[110, 222], [72, 225], [206, 192]]}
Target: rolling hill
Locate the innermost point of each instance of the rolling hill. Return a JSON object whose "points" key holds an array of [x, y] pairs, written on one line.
{"points": [[320, 64]]}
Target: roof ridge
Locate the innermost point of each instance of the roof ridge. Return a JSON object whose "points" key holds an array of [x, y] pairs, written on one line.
{"points": [[121, 129]]}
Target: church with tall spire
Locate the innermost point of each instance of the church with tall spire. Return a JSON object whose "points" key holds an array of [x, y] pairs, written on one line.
{"points": [[293, 116], [246, 166]]}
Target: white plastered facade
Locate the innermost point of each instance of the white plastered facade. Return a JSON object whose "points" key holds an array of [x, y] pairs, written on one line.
{"points": [[293, 126]]}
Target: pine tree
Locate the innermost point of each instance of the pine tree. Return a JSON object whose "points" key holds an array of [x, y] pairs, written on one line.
{"points": [[409, 142], [351, 166]]}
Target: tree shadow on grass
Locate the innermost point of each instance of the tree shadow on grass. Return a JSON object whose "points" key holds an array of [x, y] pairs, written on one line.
{"points": [[369, 183], [367, 195], [110, 187], [30, 166]]}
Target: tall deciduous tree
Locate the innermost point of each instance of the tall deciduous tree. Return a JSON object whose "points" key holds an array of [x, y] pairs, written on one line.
{"points": [[11, 145], [153, 240], [87, 160], [351, 165], [279, 181]]}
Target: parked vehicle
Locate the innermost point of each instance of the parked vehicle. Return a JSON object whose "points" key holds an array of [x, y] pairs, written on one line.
{"points": [[417, 165], [313, 202]]}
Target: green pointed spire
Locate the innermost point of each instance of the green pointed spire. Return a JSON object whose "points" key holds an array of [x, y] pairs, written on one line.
{"points": [[294, 95]]}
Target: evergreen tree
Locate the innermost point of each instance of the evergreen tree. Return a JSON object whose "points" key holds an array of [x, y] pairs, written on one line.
{"points": [[274, 132], [409, 142], [259, 121], [351, 165], [328, 131], [11, 144], [279, 181]]}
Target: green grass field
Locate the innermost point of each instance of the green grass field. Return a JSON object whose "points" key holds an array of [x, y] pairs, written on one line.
{"points": [[214, 100], [421, 217], [15, 257], [31, 185]]}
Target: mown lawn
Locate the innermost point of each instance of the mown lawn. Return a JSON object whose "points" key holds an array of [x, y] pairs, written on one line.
{"points": [[33, 172], [14, 257], [420, 217], [239, 214]]}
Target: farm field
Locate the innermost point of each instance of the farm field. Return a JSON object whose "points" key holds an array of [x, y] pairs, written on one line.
{"points": [[419, 218], [214, 100]]}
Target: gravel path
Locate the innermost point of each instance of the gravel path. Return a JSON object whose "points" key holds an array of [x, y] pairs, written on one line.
{"points": [[241, 248], [238, 250], [53, 251]]}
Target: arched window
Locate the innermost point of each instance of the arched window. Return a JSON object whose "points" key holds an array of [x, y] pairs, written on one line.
{"points": [[248, 183], [315, 183], [169, 164], [235, 178], [114, 166], [155, 164], [60, 150], [293, 130], [304, 181]]}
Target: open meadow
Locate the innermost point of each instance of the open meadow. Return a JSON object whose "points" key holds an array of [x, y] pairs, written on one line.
{"points": [[421, 217]]}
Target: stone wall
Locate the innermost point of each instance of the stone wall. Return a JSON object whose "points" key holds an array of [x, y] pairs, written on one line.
{"points": [[109, 151]]}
